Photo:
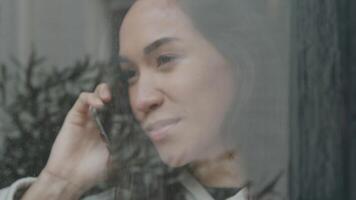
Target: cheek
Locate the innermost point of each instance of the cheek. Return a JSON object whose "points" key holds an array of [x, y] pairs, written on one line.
{"points": [[209, 83], [205, 91], [214, 92]]}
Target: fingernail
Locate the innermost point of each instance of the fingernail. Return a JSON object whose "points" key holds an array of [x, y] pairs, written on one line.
{"points": [[106, 94]]}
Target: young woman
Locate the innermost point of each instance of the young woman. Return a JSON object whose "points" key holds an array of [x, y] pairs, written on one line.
{"points": [[184, 88]]}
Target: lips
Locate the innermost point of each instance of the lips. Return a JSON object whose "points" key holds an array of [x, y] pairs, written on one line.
{"points": [[159, 129]]}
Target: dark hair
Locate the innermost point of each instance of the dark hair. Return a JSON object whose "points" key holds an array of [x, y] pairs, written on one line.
{"points": [[247, 36]]}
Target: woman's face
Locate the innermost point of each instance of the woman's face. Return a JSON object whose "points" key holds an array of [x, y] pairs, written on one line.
{"points": [[180, 87]]}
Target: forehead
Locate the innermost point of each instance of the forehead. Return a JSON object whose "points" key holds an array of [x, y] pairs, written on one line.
{"points": [[149, 20]]}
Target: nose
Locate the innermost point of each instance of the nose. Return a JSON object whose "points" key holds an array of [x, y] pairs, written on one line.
{"points": [[146, 97]]}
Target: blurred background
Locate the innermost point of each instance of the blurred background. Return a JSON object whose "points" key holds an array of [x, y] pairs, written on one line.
{"points": [[51, 50], [63, 30]]}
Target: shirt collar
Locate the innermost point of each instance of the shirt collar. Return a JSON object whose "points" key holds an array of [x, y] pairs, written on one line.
{"points": [[200, 193]]}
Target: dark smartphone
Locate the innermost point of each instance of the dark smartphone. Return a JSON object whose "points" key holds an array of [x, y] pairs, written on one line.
{"points": [[96, 116]]}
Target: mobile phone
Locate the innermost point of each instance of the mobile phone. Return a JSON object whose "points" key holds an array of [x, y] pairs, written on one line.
{"points": [[104, 134]]}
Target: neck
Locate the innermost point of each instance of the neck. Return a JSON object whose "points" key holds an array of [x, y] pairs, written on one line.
{"points": [[223, 170]]}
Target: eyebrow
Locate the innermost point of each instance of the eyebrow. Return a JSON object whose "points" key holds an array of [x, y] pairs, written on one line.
{"points": [[158, 43], [150, 48]]}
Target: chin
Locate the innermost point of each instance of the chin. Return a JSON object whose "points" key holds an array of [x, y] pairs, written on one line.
{"points": [[173, 160]]}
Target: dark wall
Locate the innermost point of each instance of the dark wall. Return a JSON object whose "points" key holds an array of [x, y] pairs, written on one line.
{"points": [[322, 60], [352, 103]]}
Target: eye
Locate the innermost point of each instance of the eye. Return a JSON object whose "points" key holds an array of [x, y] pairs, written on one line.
{"points": [[164, 59], [128, 75]]}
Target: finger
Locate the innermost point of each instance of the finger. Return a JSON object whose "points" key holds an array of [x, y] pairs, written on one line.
{"points": [[103, 92], [85, 101]]}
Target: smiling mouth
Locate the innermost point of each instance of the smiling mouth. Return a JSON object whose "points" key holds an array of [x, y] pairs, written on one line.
{"points": [[159, 129]]}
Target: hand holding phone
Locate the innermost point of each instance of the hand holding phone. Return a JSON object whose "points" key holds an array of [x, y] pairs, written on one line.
{"points": [[80, 156]]}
